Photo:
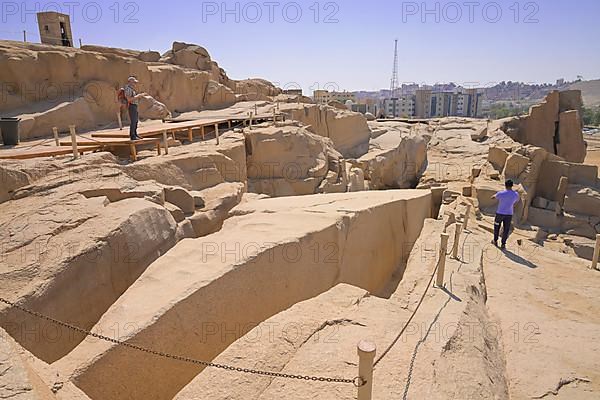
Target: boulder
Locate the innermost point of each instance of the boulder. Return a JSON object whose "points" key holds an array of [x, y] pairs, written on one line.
{"points": [[347, 130], [288, 160], [497, 157], [219, 96], [395, 160], [150, 108], [356, 180], [175, 211], [515, 165], [149, 56], [181, 198], [582, 200]]}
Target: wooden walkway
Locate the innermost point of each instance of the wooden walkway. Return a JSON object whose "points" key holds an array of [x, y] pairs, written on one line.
{"points": [[151, 134], [42, 152]]}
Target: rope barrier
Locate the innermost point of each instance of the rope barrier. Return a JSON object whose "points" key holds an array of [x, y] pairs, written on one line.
{"points": [[357, 381]]}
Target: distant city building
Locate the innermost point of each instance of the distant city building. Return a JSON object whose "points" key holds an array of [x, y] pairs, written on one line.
{"points": [[401, 107], [426, 103], [364, 106], [325, 96], [55, 28]]}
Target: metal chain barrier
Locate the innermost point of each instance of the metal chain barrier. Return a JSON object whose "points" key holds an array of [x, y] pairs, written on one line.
{"points": [[387, 350], [357, 381]]}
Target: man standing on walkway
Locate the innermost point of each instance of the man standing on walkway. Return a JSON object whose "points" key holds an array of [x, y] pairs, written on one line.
{"points": [[506, 202], [133, 97]]}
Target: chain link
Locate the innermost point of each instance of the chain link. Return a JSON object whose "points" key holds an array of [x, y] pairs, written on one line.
{"points": [[357, 381]]}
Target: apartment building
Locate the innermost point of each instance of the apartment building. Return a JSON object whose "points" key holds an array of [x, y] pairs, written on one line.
{"points": [[325, 96]]}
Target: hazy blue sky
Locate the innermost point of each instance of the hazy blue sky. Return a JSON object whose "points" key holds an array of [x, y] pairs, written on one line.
{"points": [[349, 43]]}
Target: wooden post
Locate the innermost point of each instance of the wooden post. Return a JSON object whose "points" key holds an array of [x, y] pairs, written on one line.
{"points": [[202, 132], [457, 230], [165, 142], [74, 141], [596, 253], [466, 219], [133, 152], [190, 135], [217, 132], [561, 192], [274, 117], [251, 120], [120, 120], [229, 124], [255, 109], [25, 36], [366, 355], [439, 281], [55, 132]]}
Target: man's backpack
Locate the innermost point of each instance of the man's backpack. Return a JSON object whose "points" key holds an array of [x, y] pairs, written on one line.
{"points": [[122, 98]]}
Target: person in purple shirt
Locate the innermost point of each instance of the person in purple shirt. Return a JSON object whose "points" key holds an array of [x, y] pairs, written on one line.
{"points": [[506, 202]]}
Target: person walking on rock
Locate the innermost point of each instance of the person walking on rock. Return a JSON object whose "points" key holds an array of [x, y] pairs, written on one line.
{"points": [[506, 203], [133, 97]]}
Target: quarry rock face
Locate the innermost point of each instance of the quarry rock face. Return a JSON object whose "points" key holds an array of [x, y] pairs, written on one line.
{"points": [[288, 160], [100, 224], [285, 244], [275, 253], [554, 125], [47, 87], [347, 130], [395, 160]]}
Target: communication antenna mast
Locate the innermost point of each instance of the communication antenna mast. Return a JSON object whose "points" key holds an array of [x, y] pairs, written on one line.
{"points": [[394, 82]]}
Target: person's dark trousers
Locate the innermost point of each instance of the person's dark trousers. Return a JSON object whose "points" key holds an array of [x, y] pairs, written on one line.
{"points": [[504, 220], [133, 118]]}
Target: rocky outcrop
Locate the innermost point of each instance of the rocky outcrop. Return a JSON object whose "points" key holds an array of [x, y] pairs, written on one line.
{"points": [[289, 160], [347, 130], [396, 160], [50, 86], [554, 125], [76, 235]]}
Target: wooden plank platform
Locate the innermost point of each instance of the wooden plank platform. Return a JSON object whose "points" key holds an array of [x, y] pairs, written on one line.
{"points": [[83, 142], [42, 152], [120, 137]]}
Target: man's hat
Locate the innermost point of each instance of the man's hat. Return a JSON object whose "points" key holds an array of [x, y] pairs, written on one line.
{"points": [[132, 79]]}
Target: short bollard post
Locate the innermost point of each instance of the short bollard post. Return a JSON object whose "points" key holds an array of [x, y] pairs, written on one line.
{"points": [[251, 115], [55, 132], [74, 141], [255, 109], [439, 280], [165, 142], [596, 253], [274, 117], [366, 356], [217, 132], [457, 230], [466, 220]]}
